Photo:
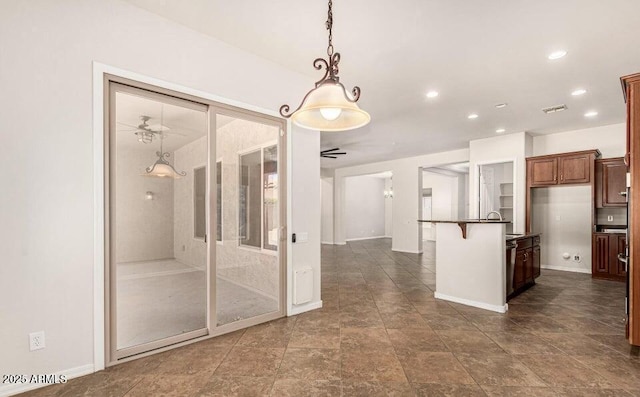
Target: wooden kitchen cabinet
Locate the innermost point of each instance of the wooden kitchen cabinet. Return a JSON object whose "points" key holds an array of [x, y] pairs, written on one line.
{"points": [[611, 183], [575, 168], [535, 261], [561, 169], [542, 172], [527, 263], [605, 263]]}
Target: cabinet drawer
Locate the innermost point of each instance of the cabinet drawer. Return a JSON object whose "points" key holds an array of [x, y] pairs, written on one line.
{"points": [[523, 243]]}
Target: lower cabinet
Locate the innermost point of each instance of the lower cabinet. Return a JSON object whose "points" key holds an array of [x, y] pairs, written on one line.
{"points": [[605, 263], [527, 263]]}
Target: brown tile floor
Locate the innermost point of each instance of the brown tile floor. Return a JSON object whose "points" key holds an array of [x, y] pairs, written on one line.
{"points": [[382, 333]]}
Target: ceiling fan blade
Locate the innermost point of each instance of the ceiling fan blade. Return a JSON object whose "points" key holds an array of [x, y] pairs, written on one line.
{"points": [[173, 133], [158, 128], [127, 125], [334, 153], [330, 150], [329, 157]]}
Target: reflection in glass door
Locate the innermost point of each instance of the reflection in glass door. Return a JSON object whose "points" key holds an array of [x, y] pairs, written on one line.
{"points": [[158, 217], [247, 251]]}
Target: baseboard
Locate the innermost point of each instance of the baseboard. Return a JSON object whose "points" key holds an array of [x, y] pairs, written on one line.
{"points": [[12, 389], [407, 252], [297, 309], [327, 242], [388, 236], [363, 238], [566, 269], [468, 302]]}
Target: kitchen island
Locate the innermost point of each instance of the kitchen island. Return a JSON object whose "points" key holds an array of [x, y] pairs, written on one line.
{"points": [[471, 263]]}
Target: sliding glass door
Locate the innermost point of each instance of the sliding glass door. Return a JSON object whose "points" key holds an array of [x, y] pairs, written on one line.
{"points": [[248, 282], [195, 212], [158, 215]]}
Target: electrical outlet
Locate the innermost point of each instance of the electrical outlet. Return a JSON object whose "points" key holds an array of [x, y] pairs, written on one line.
{"points": [[610, 218], [577, 258], [36, 340]]}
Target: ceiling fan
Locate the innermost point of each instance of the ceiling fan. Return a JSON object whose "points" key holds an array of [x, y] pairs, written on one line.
{"points": [[146, 132], [331, 153]]}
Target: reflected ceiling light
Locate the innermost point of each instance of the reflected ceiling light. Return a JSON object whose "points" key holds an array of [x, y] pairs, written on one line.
{"points": [[500, 130], [557, 55], [579, 92], [501, 105], [162, 168], [328, 107], [591, 114], [432, 94], [472, 116]]}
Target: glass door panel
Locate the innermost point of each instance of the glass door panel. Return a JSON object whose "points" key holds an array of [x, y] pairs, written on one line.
{"points": [[247, 252], [158, 211]]}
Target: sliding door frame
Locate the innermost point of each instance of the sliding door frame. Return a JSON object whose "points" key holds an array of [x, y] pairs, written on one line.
{"points": [[109, 355]]}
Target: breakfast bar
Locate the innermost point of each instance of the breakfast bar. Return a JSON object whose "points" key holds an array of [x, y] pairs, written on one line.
{"points": [[470, 263]]}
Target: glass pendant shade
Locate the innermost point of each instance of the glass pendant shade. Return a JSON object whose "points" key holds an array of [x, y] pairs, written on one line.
{"points": [[327, 108], [162, 169]]}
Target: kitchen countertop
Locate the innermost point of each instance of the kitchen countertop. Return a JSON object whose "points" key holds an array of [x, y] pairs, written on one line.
{"points": [[510, 237], [466, 221]]}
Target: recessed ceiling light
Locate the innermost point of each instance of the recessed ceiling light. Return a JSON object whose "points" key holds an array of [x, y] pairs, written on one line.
{"points": [[557, 55], [500, 130], [501, 105], [592, 113], [432, 94], [472, 116], [579, 92]]}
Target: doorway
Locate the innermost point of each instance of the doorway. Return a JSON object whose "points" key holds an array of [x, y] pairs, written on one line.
{"points": [[496, 193], [194, 218]]}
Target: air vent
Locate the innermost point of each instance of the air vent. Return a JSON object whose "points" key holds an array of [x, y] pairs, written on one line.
{"points": [[554, 109]]}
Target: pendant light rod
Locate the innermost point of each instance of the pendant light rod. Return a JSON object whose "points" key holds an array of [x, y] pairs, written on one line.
{"points": [[328, 107]]}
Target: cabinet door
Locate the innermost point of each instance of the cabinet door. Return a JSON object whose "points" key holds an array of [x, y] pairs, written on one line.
{"points": [[535, 259], [614, 183], [617, 245], [575, 168], [518, 271], [528, 265], [600, 265], [543, 172]]}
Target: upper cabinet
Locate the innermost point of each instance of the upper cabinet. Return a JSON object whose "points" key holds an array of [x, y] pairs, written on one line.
{"points": [[561, 169], [611, 183], [542, 172]]}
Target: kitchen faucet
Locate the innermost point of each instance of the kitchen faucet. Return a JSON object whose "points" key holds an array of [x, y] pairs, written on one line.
{"points": [[494, 212]]}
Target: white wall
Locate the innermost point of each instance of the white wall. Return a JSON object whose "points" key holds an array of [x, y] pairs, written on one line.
{"points": [[47, 205], [609, 139], [512, 147], [327, 209], [305, 202], [563, 217], [188, 250], [444, 195], [407, 195], [388, 209], [144, 227], [364, 207]]}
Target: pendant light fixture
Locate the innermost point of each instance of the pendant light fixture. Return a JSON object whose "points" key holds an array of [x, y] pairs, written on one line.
{"points": [[329, 107], [162, 168]]}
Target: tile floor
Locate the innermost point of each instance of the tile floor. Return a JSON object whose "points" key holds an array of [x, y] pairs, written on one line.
{"points": [[381, 333]]}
